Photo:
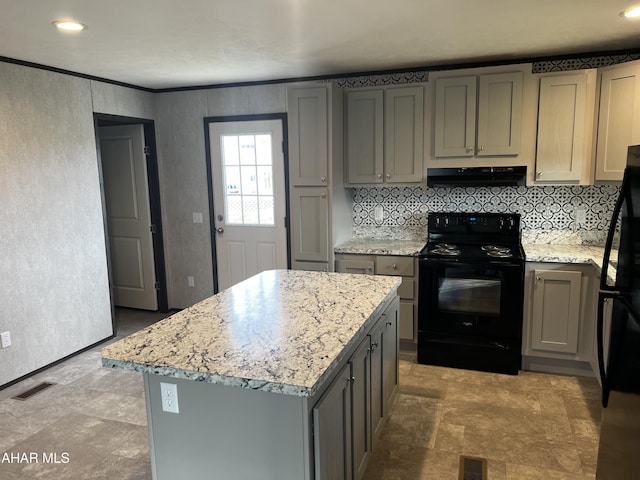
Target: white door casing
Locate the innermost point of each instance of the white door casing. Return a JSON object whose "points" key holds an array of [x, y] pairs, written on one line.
{"points": [[249, 197], [126, 191]]}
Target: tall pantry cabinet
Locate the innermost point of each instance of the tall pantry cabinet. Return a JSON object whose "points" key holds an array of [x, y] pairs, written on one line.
{"points": [[320, 206]]}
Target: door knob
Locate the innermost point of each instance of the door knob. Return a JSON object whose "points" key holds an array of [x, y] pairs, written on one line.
{"points": [[220, 230]]}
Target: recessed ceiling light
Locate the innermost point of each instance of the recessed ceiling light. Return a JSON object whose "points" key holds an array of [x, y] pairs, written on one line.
{"points": [[69, 25], [631, 12]]}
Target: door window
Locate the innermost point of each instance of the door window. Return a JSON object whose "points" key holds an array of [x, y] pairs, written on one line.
{"points": [[248, 179]]}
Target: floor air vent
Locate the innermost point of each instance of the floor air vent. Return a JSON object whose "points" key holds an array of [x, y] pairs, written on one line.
{"points": [[33, 390], [472, 468]]}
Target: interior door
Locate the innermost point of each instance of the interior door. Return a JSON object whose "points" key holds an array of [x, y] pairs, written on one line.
{"points": [[249, 197], [126, 190]]}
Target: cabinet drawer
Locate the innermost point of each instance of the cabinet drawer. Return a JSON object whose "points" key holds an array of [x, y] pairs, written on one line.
{"points": [[355, 266], [389, 265], [406, 289]]}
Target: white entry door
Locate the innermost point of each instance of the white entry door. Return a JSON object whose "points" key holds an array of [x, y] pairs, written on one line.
{"points": [[126, 191], [247, 166]]}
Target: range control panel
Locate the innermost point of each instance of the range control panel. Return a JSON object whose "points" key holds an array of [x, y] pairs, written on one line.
{"points": [[456, 222]]}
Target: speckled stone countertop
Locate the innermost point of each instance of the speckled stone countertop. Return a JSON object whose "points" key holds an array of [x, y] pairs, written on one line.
{"points": [[280, 331], [556, 253], [380, 246]]}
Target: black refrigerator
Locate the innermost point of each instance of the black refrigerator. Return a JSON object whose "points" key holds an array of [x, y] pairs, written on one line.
{"points": [[618, 335]]}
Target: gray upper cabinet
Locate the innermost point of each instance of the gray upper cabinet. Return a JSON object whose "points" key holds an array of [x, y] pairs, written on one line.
{"points": [[308, 136], [385, 135], [478, 115], [618, 119], [365, 142], [565, 126]]}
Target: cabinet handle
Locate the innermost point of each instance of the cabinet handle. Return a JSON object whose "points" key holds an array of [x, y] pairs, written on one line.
{"points": [[323, 179], [538, 278], [379, 175], [389, 324], [323, 195], [480, 149], [469, 149], [395, 267], [539, 174], [388, 175]]}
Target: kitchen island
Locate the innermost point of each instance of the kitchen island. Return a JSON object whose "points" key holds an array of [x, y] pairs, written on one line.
{"points": [[287, 375]]}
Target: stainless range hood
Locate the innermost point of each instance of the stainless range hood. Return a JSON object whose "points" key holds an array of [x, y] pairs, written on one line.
{"points": [[476, 176]]}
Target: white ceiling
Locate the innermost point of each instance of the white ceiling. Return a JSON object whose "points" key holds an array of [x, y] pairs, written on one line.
{"points": [[171, 43]]}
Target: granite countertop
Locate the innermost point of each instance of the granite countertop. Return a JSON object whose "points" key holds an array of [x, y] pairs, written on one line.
{"points": [[555, 253], [281, 331], [380, 246]]}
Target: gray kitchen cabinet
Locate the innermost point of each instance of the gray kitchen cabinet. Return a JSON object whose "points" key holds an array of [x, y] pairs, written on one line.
{"points": [[385, 135], [349, 416], [361, 379], [332, 430], [320, 207], [558, 318], [618, 118], [308, 119], [556, 311], [402, 266], [310, 224], [384, 370], [478, 115], [565, 125]]}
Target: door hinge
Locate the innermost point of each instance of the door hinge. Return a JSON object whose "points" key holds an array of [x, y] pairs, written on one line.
{"points": [[153, 228], [156, 285], [147, 150]]}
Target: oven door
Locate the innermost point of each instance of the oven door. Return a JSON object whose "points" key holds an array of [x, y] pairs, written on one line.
{"points": [[471, 298]]}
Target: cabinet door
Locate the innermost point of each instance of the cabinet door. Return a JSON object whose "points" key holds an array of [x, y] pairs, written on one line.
{"points": [[390, 352], [404, 134], [308, 136], [455, 117], [365, 136], [499, 114], [309, 224], [618, 122], [378, 343], [556, 310], [561, 126], [361, 414], [332, 430]]}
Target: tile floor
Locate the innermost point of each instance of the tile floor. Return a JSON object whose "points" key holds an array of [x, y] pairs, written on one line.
{"points": [[529, 427]]}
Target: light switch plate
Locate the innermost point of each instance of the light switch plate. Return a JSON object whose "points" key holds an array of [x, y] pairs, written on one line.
{"points": [[5, 339], [197, 217], [169, 392]]}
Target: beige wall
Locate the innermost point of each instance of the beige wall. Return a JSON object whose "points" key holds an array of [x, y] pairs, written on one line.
{"points": [[54, 290]]}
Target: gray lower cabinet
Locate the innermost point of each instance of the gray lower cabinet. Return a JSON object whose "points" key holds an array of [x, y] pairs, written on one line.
{"points": [[349, 417], [404, 266], [332, 430], [559, 317]]}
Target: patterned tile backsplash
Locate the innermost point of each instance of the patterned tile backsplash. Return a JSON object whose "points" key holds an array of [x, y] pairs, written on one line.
{"points": [[548, 213]]}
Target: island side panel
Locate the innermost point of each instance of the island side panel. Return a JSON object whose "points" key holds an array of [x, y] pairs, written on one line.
{"points": [[227, 432]]}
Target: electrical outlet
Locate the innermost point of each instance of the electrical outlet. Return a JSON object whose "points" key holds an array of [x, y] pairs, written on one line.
{"points": [[191, 282], [5, 339], [379, 213], [581, 215], [169, 392]]}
